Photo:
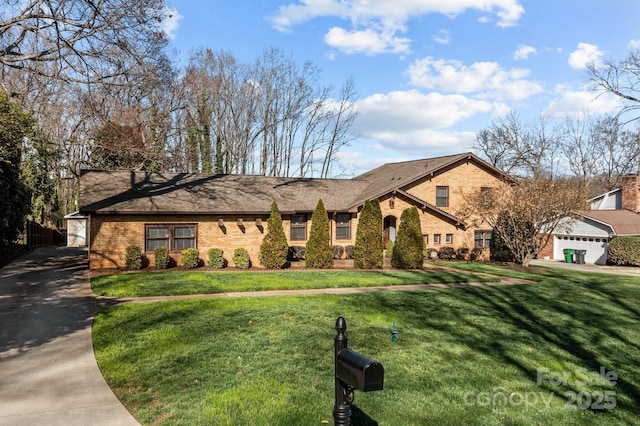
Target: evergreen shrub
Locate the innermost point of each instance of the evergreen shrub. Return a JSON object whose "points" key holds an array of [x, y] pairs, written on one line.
{"points": [[133, 258]]}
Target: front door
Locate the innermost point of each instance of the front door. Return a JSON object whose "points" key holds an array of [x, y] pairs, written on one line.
{"points": [[389, 230]]}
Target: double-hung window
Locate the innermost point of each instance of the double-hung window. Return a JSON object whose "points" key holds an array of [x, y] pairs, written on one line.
{"points": [[442, 196], [298, 227], [482, 238], [343, 226], [172, 236]]}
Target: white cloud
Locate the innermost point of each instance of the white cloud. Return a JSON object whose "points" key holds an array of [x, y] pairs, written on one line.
{"points": [[381, 116], [575, 103], [368, 41], [524, 52], [585, 55], [485, 79], [634, 44], [376, 21], [171, 21], [442, 37]]}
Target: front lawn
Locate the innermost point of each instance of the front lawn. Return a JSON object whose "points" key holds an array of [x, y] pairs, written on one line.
{"points": [[517, 355], [140, 284]]}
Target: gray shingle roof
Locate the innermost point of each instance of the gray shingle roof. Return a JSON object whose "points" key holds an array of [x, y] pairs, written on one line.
{"points": [[136, 192], [142, 192]]}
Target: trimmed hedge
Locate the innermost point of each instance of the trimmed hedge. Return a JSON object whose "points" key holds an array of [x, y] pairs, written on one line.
{"points": [[241, 258], [463, 253], [190, 258], [133, 258], [338, 251], [348, 252], [216, 258], [447, 253], [161, 257], [624, 251]]}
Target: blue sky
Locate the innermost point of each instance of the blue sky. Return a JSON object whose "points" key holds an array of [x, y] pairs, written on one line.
{"points": [[429, 73]]}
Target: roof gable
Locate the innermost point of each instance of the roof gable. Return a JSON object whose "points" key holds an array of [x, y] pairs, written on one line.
{"points": [[398, 176]]}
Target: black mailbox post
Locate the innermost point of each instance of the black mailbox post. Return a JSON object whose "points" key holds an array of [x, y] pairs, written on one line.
{"points": [[358, 371], [353, 371]]}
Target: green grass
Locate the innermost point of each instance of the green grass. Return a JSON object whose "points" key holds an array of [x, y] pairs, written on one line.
{"points": [[181, 283], [460, 353]]}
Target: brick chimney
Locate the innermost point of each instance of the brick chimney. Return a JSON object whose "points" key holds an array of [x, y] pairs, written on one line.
{"points": [[630, 193]]}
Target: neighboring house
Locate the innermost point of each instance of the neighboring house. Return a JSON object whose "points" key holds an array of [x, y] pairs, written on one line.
{"points": [[230, 211], [612, 214]]}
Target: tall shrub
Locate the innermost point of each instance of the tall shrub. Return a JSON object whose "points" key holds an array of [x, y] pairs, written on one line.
{"points": [[161, 257], [241, 258], [216, 258], [368, 251], [190, 258], [274, 247], [318, 252], [408, 251], [133, 258]]}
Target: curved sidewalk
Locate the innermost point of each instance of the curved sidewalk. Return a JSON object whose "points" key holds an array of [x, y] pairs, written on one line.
{"points": [[48, 372]]}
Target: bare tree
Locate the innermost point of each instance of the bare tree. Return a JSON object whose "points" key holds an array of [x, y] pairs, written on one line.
{"points": [[525, 149], [80, 40], [262, 117], [621, 79], [617, 152], [525, 215], [339, 119], [580, 149]]}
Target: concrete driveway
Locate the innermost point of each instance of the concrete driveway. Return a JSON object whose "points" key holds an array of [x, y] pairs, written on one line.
{"points": [[48, 372]]}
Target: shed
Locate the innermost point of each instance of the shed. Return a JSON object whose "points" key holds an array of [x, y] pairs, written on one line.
{"points": [[77, 228]]}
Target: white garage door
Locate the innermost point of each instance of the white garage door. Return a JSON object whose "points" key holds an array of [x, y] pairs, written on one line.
{"points": [[596, 247]]}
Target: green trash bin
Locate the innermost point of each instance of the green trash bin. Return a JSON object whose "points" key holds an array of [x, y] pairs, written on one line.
{"points": [[568, 255]]}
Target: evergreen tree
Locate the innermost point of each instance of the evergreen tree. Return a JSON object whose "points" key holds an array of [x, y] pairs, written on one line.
{"points": [[15, 126], [274, 247], [318, 253], [368, 253], [408, 251]]}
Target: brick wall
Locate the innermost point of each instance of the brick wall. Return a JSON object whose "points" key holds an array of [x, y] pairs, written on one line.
{"points": [[111, 234]]}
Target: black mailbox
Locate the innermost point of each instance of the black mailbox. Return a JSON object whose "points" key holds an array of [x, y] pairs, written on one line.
{"points": [[358, 371]]}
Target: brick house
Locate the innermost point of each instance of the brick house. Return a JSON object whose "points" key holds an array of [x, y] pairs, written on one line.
{"points": [[614, 213], [230, 211]]}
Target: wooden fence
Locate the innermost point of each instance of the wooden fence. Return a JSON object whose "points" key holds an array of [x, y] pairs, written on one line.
{"points": [[36, 235]]}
